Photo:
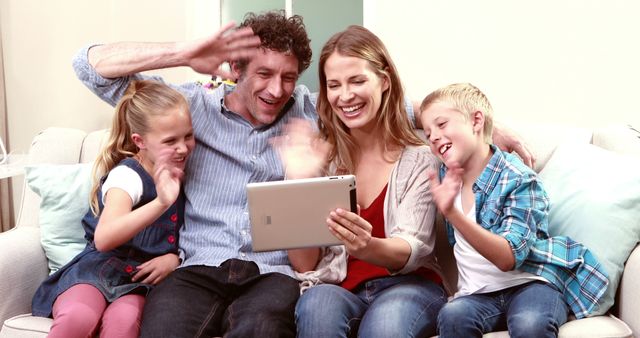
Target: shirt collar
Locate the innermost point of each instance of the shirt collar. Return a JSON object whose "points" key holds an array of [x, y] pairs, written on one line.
{"points": [[490, 176]]}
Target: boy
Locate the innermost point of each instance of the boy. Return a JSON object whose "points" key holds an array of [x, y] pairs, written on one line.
{"points": [[511, 273]]}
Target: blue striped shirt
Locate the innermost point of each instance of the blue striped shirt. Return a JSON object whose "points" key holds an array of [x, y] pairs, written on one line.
{"points": [[229, 153], [511, 202]]}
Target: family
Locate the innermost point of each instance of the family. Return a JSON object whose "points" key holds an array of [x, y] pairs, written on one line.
{"points": [[169, 247]]}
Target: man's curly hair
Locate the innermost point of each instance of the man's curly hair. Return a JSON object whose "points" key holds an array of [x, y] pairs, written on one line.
{"points": [[281, 34]]}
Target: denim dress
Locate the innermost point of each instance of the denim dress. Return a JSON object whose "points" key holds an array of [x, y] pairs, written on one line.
{"points": [[111, 272]]}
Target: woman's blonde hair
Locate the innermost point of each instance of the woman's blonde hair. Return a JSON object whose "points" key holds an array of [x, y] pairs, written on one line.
{"points": [[392, 119], [142, 100]]}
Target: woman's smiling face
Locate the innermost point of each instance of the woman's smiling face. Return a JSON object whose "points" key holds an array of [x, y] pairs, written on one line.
{"points": [[354, 90]]}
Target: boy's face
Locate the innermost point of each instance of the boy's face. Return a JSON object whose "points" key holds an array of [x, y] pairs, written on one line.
{"points": [[451, 136]]}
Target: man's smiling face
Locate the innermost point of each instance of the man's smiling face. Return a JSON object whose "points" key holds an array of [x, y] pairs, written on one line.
{"points": [[265, 86]]}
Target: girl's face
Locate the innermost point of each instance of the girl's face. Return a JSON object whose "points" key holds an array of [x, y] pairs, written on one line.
{"points": [[172, 131], [354, 90]]}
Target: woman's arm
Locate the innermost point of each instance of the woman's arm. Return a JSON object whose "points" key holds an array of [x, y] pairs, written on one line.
{"points": [[303, 260], [355, 233]]}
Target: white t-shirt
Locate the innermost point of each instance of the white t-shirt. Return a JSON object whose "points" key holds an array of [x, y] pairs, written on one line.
{"points": [[477, 274], [124, 178]]}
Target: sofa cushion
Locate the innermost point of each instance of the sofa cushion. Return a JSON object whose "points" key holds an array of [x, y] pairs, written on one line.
{"points": [[64, 190], [26, 326], [543, 138], [595, 196]]}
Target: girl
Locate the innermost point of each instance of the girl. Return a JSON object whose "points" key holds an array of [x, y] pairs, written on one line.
{"points": [[387, 285], [132, 227]]}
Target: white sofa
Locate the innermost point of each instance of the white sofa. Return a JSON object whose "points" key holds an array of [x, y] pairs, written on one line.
{"points": [[23, 265]]}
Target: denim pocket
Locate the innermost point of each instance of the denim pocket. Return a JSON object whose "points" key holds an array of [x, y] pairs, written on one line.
{"points": [[115, 272]]}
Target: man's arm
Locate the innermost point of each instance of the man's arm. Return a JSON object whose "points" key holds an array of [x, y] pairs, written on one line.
{"points": [[203, 55]]}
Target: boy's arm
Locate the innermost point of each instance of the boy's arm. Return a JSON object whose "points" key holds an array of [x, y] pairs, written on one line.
{"points": [[494, 248], [518, 221], [523, 210]]}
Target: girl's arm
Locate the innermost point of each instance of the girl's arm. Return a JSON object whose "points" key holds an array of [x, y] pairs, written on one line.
{"points": [[118, 223], [156, 269]]}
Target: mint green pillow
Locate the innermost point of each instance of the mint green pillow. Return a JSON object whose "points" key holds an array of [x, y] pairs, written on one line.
{"points": [[595, 199], [64, 190]]}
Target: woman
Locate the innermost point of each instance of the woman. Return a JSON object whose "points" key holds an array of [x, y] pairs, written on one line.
{"points": [[387, 282]]}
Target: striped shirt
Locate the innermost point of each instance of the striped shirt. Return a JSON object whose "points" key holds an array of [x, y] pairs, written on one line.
{"points": [[510, 201], [229, 153]]}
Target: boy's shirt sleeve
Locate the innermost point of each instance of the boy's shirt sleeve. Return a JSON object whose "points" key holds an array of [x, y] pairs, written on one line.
{"points": [[448, 227], [517, 214]]}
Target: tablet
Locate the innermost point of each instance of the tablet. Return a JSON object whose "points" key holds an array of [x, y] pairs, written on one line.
{"points": [[293, 213]]}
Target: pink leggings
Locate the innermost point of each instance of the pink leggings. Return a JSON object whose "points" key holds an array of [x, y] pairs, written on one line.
{"points": [[79, 311]]}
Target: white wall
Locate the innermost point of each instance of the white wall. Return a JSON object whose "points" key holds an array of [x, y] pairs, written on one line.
{"points": [[567, 61], [40, 37]]}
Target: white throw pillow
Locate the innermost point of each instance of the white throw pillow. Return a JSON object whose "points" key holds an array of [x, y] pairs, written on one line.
{"points": [[64, 190], [595, 199]]}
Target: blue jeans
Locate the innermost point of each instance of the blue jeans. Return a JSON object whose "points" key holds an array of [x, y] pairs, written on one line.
{"points": [[396, 306], [536, 309], [233, 300]]}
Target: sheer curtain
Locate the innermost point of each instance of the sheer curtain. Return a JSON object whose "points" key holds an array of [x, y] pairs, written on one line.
{"points": [[6, 198]]}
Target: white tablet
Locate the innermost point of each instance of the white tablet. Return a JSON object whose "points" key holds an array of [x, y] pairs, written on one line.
{"points": [[292, 213]]}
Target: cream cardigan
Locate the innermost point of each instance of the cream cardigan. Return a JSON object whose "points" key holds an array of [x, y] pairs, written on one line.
{"points": [[409, 213]]}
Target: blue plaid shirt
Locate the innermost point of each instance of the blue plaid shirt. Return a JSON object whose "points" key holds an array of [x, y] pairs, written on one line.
{"points": [[511, 202]]}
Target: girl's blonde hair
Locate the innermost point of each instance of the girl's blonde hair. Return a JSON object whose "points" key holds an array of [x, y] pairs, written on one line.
{"points": [[142, 100], [392, 119], [467, 99]]}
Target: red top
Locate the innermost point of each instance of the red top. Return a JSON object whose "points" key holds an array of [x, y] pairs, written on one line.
{"points": [[359, 271]]}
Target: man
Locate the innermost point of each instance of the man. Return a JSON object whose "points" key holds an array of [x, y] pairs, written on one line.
{"points": [[222, 287]]}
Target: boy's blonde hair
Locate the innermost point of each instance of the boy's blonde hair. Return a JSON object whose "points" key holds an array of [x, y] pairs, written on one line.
{"points": [[467, 99]]}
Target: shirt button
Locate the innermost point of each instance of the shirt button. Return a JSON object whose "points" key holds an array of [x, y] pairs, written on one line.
{"points": [[128, 269], [171, 239], [244, 232], [254, 157], [243, 254], [174, 218]]}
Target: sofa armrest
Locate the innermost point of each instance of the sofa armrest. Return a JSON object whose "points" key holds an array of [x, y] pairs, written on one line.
{"points": [[629, 293], [23, 266]]}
